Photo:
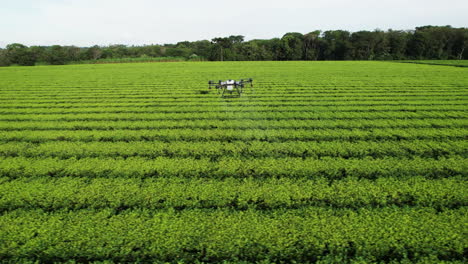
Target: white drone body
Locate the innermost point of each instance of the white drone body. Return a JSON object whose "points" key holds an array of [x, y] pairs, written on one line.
{"points": [[229, 85]]}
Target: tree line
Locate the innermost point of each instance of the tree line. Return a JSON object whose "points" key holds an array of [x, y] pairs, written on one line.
{"points": [[427, 42]]}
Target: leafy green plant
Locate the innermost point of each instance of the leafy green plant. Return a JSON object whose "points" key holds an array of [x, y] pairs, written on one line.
{"points": [[321, 162]]}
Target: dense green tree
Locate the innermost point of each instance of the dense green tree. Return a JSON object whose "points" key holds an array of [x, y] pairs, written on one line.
{"points": [[460, 44], [223, 47], [292, 46], [312, 45], [434, 41], [397, 42], [20, 54], [220, 44], [367, 45], [274, 46], [336, 45], [179, 51], [427, 42], [56, 55], [258, 50], [202, 48], [416, 45], [93, 53], [152, 50], [3, 58], [73, 53], [115, 51], [381, 46], [430, 42], [39, 52]]}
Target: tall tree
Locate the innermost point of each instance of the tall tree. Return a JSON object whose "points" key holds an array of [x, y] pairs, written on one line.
{"points": [[56, 55], [202, 48], [336, 45], [220, 44], [93, 53], [427, 42], [223, 46], [292, 46], [312, 45], [397, 42], [20, 54], [460, 45], [367, 45], [3, 58]]}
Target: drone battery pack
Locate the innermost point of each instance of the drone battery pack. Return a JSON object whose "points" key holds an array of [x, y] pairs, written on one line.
{"points": [[230, 85]]}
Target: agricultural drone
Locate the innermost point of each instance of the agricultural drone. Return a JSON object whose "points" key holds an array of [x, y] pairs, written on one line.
{"points": [[230, 86]]}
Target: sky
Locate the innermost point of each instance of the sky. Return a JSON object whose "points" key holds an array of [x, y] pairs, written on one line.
{"points": [[143, 22]]}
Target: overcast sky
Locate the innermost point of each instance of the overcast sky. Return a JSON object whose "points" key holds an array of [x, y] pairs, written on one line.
{"points": [[140, 22]]}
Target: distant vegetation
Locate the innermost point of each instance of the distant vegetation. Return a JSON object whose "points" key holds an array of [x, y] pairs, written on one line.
{"points": [[457, 63], [423, 43], [129, 60]]}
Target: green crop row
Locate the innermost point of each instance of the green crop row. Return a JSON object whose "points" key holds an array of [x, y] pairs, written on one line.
{"points": [[235, 124], [321, 162], [133, 95], [300, 101], [398, 85], [253, 114], [41, 103], [332, 73], [304, 236], [175, 81], [51, 194], [66, 98], [278, 135], [236, 108], [240, 149], [267, 88], [331, 168]]}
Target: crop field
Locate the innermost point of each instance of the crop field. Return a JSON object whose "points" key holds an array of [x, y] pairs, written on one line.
{"points": [[320, 162]]}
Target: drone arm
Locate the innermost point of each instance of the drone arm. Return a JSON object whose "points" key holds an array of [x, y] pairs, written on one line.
{"points": [[249, 80]]}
